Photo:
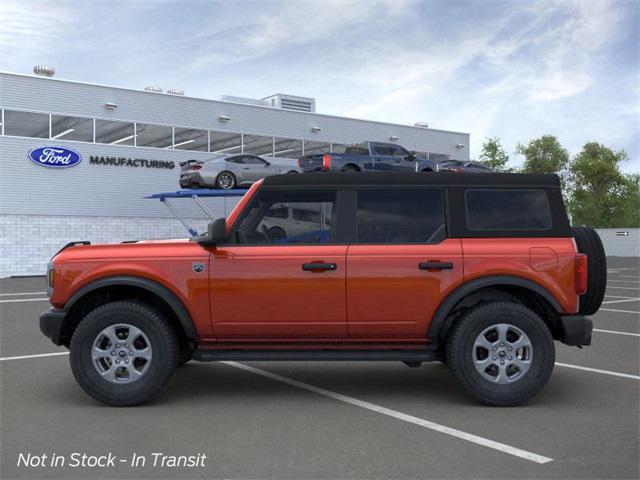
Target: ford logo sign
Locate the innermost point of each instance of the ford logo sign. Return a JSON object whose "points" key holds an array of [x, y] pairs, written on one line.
{"points": [[55, 157]]}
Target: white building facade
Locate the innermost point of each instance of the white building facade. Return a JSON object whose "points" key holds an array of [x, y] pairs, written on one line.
{"points": [[130, 144]]}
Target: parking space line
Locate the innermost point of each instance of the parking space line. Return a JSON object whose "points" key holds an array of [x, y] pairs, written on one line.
{"points": [[18, 300], [623, 281], [628, 276], [615, 296], [21, 293], [623, 288], [597, 370], [618, 311], [39, 355], [485, 442], [620, 301], [616, 332]]}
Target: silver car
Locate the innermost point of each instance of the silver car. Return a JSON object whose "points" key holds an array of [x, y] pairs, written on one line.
{"points": [[231, 171]]}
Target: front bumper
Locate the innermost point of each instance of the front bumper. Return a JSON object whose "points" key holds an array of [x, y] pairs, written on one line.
{"points": [[52, 325], [575, 330]]}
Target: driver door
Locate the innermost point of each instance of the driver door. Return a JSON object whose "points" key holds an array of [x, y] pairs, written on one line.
{"points": [[276, 282]]}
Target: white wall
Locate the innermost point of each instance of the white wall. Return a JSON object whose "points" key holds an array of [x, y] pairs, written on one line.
{"points": [[618, 245]]}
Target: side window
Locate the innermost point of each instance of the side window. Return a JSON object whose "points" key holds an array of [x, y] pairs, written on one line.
{"points": [[268, 221], [398, 151], [251, 160], [237, 159], [401, 216], [488, 209]]}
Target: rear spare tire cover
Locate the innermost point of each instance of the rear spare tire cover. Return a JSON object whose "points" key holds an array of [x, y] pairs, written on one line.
{"points": [[588, 242]]}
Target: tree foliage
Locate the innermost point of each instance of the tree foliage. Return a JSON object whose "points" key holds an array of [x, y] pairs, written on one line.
{"points": [[600, 194], [493, 155], [543, 155]]}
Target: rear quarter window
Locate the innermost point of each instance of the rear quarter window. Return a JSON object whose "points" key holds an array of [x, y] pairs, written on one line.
{"points": [[502, 209]]}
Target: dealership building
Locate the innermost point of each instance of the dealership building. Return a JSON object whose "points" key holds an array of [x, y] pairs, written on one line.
{"points": [[128, 145]]}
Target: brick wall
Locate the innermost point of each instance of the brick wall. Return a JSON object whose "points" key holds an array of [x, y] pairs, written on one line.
{"points": [[27, 242]]}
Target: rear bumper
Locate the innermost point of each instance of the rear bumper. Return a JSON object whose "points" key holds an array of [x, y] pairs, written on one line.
{"points": [[575, 330], [52, 324]]}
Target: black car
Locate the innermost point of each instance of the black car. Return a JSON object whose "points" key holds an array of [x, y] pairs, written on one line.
{"points": [[459, 166]]}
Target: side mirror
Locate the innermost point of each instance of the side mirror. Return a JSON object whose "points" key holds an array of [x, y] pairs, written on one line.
{"points": [[412, 156], [266, 164], [216, 233]]}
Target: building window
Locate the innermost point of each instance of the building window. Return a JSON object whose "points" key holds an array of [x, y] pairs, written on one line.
{"points": [[225, 143], [190, 139], [400, 216], [287, 148], [71, 128], [26, 124], [258, 145], [114, 133], [314, 148], [157, 136]]}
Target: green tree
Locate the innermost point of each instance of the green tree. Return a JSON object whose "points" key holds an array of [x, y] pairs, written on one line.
{"points": [[601, 195], [493, 155], [544, 155]]}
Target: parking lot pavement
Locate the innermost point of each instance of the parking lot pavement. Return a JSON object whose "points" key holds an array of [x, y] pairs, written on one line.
{"points": [[329, 420]]}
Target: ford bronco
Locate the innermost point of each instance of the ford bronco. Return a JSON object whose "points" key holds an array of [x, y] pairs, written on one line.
{"points": [[480, 272]]}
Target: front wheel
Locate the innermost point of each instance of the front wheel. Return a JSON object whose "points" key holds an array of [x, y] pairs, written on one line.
{"points": [[501, 352], [123, 353]]}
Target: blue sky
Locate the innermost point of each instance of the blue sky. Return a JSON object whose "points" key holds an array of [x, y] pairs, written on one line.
{"points": [[514, 70]]}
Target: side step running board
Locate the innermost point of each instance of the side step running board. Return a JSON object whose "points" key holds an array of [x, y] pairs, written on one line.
{"points": [[316, 355]]}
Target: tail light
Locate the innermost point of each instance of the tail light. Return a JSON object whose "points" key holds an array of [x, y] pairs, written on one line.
{"points": [[196, 167], [581, 274], [299, 162], [326, 162]]}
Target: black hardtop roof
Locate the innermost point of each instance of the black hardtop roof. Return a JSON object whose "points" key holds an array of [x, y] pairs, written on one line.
{"points": [[325, 179]]}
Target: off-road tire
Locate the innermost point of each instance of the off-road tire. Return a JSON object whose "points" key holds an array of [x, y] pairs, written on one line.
{"points": [[459, 353], [588, 242], [164, 346]]}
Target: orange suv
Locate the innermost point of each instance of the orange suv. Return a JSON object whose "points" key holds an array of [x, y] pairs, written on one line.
{"points": [[481, 272]]}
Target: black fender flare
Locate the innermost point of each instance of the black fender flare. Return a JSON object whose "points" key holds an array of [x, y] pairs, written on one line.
{"points": [[440, 317], [154, 287]]}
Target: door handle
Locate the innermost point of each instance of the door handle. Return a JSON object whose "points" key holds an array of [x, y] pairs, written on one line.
{"points": [[435, 265], [318, 266]]}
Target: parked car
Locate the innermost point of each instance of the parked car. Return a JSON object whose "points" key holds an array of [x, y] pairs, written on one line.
{"points": [[368, 157], [231, 171], [284, 223], [481, 272], [460, 166]]}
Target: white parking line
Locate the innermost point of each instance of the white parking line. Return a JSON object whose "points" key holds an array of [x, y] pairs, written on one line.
{"points": [[618, 311], [40, 355], [17, 300], [22, 293], [628, 276], [485, 442], [623, 288], [620, 301], [623, 281], [597, 370], [616, 332]]}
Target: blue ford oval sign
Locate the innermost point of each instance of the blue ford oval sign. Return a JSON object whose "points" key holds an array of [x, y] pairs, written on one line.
{"points": [[55, 157]]}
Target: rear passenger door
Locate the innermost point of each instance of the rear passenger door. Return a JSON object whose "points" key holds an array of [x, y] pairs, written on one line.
{"points": [[401, 264]]}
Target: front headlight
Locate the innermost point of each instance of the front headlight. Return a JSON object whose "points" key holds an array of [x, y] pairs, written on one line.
{"points": [[51, 278]]}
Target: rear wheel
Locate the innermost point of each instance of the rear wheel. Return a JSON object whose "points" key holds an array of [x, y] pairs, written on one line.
{"points": [[226, 180], [350, 168], [277, 233], [588, 242], [501, 352], [123, 353]]}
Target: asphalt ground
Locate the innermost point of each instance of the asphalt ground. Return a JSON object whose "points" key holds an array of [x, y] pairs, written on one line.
{"points": [[326, 420]]}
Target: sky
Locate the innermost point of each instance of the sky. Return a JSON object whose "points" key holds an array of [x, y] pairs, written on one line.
{"points": [[514, 70]]}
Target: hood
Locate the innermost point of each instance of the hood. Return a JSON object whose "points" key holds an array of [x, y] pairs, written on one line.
{"points": [[128, 249]]}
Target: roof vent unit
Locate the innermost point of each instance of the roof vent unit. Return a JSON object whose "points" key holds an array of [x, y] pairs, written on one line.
{"points": [[421, 124], [291, 102], [44, 71], [153, 88], [175, 91]]}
